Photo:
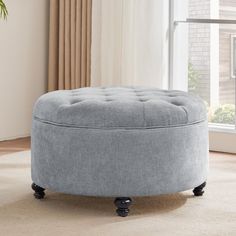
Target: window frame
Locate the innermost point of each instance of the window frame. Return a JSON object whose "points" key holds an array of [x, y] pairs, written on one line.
{"points": [[233, 57]]}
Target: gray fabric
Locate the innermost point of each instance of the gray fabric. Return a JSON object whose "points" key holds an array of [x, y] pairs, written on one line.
{"points": [[119, 162], [135, 148], [132, 107]]}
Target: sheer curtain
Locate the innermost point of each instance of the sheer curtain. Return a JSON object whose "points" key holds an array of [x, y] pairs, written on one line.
{"points": [[130, 43]]}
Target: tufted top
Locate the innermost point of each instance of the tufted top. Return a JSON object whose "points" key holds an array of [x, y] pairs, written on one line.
{"points": [[119, 107]]}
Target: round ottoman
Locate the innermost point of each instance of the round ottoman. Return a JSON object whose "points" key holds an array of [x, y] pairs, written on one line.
{"points": [[119, 142]]}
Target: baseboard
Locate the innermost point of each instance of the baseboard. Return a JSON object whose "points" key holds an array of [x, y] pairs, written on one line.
{"points": [[220, 141], [14, 137]]}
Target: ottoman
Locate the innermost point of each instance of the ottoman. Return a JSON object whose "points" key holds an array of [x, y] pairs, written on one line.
{"points": [[119, 142]]}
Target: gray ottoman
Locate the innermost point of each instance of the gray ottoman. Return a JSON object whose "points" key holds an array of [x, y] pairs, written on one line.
{"points": [[119, 142]]}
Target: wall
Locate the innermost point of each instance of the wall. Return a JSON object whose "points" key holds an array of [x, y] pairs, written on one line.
{"points": [[23, 64]]}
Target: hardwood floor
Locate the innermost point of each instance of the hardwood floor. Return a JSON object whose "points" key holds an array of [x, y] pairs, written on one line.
{"points": [[12, 146]]}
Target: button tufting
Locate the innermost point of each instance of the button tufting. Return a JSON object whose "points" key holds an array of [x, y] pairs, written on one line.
{"points": [[118, 94], [115, 107], [75, 101], [176, 103], [143, 100]]}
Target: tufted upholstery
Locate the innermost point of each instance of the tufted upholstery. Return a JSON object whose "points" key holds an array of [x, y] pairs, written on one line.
{"points": [[123, 107], [119, 141]]}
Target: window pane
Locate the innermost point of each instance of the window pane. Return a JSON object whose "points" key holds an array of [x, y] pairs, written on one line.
{"points": [[199, 9], [227, 9], [205, 9], [211, 66]]}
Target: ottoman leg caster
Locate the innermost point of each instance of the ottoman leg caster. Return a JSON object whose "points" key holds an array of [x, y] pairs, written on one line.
{"points": [[198, 191], [39, 191], [123, 204]]}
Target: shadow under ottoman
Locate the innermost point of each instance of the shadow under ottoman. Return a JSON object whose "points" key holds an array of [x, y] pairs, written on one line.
{"points": [[119, 142]]}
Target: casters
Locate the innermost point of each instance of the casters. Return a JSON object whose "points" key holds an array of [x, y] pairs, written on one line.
{"points": [[39, 191], [198, 191], [122, 204]]}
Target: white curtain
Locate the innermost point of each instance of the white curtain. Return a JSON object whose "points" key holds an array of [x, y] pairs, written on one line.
{"points": [[130, 43]]}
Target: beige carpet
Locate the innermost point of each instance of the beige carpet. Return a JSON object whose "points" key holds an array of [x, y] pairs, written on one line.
{"points": [[59, 214]]}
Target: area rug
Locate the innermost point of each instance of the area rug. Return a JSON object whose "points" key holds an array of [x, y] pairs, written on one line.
{"points": [[60, 214]]}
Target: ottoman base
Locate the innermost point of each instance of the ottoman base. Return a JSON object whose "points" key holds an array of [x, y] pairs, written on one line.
{"points": [[122, 203], [39, 191], [106, 162], [198, 191]]}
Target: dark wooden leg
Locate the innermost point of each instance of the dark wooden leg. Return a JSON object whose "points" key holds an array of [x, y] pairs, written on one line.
{"points": [[198, 191], [123, 204], [39, 191]]}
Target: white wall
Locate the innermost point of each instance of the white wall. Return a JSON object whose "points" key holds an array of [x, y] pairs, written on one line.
{"points": [[23, 64]]}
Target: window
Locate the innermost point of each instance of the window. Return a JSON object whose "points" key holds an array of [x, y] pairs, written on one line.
{"points": [[203, 55]]}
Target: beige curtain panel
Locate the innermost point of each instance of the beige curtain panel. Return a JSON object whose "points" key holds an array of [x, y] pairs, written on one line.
{"points": [[69, 44]]}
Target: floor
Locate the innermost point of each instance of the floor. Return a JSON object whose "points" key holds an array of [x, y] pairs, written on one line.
{"points": [[179, 214], [12, 146]]}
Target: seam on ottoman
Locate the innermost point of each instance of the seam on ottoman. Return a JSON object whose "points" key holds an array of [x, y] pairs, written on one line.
{"points": [[119, 127]]}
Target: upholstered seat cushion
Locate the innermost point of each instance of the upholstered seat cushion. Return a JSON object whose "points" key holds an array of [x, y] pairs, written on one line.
{"points": [[129, 107]]}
